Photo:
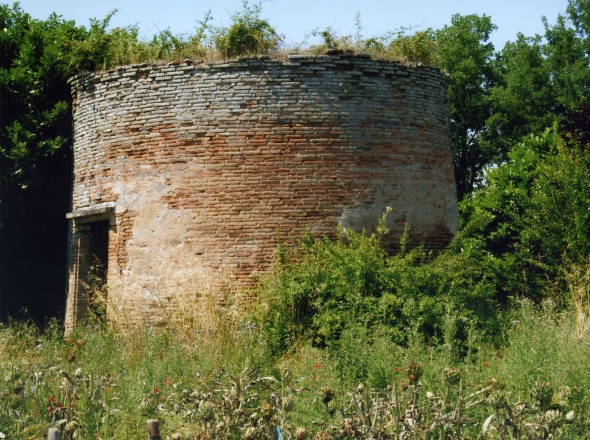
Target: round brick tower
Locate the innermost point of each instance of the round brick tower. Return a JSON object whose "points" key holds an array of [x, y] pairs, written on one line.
{"points": [[204, 166]]}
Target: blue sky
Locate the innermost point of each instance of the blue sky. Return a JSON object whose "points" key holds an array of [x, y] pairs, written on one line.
{"points": [[296, 18]]}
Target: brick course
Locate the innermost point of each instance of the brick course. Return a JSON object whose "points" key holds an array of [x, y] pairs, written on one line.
{"points": [[214, 161]]}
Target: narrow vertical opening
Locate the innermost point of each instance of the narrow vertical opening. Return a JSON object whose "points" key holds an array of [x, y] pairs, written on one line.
{"points": [[91, 233], [92, 276], [98, 254]]}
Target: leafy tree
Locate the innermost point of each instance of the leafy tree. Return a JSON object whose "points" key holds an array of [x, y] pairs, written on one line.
{"points": [[568, 55], [539, 82], [464, 52], [532, 216], [33, 73], [35, 159], [523, 99]]}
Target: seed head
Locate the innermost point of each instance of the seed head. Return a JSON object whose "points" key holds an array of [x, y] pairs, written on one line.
{"points": [[542, 392], [206, 412], [414, 372], [497, 399], [288, 403], [331, 408], [301, 433], [553, 418], [451, 376], [287, 376], [250, 433], [361, 388], [266, 410]]}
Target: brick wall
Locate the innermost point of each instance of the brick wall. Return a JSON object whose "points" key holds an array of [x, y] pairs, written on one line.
{"points": [[207, 164]]}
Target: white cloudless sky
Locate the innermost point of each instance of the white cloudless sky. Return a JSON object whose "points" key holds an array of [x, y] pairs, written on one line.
{"points": [[294, 19]]}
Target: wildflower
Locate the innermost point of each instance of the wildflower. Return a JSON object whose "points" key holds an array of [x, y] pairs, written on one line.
{"points": [[156, 390], [317, 366], [50, 409], [486, 364], [71, 405], [250, 433], [554, 418], [287, 356], [266, 410], [331, 408], [59, 405], [398, 369], [497, 399], [52, 399]]}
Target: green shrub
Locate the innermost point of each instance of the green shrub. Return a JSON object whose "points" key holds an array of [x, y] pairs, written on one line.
{"points": [[419, 47], [532, 216], [248, 33], [322, 287]]}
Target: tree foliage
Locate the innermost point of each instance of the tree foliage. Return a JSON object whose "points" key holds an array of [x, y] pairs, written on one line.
{"points": [[532, 216], [464, 51], [35, 119]]}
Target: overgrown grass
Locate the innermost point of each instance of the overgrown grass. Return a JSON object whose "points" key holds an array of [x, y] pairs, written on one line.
{"points": [[100, 383], [248, 35], [346, 342]]}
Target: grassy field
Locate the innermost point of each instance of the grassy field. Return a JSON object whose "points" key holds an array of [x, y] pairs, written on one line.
{"points": [[101, 383], [343, 342]]}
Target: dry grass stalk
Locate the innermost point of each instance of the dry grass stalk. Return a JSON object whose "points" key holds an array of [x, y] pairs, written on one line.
{"points": [[195, 301], [578, 280]]}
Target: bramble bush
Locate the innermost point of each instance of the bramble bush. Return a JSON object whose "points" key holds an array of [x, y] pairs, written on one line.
{"points": [[322, 287]]}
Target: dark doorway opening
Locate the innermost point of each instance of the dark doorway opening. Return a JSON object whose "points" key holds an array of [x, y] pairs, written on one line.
{"points": [[97, 255]]}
